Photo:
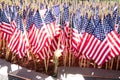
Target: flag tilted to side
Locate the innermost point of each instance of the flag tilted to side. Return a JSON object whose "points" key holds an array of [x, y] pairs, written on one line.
{"points": [[37, 33], [101, 50], [65, 26], [112, 37], [90, 39], [18, 43], [84, 36], [75, 35], [5, 26], [49, 28]]}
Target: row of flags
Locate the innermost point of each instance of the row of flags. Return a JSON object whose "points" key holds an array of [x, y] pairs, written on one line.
{"points": [[40, 31]]}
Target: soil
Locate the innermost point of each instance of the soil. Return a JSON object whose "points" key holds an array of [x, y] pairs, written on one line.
{"points": [[40, 67]]}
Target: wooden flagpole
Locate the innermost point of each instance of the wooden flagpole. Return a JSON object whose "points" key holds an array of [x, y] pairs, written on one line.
{"points": [[45, 64], [7, 49], [61, 17], [0, 36], [70, 20], [117, 65], [118, 58], [3, 42], [29, 52], [46, 61], [74, 8]]}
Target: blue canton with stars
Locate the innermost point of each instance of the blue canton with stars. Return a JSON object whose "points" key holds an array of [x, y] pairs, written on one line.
{"points": [[38, 20], [49, 18], [107, 26], [99, 31], [19, 22]]}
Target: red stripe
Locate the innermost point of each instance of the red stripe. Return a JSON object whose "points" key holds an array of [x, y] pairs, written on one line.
{"points": [[102, 52], [113, 40]]}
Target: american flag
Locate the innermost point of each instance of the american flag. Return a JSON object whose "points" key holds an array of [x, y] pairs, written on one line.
{"points": [[101, 50], [12, 12], [17, 41], [65, 21], [35, 31], [30, 27], [49, 31], [114, 15], [118, 19], [84, 35], [50, 23], [23, 46], [90, 39], [29, 20], [56, 10], [51, 39], [66, 17], [38, 24], [79, 20], [41, 37], [56, 13], [5, 26], [75, 35], [112, 38], [59, 32], [65, 25]]}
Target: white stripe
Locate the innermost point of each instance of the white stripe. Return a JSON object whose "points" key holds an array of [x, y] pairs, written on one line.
{"points": [[83, 42], [15, 38], [97, 51], [114, 43], [112, 47], [12, 38], [41, 41], [41, 55], [91, 46], [118, 40], [103, 58], [86, 48], [95, 47], [104, 46]]}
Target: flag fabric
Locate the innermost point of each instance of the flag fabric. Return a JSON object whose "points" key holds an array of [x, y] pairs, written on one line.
{"points": [[23, 42], [75, 35], [48, 32], [65, 25], [36, 33], [53, 38], [12, 12], [56, 13], [65, 18], [56, 10], [101, 50], [90, 39], [17, 42], [114, 15], [51, 30], [78, 34], [112, 37], [5, 26], [84, 35], [78, 22], [50, 23], [58, 30], [30, 28], [118, 22]]}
